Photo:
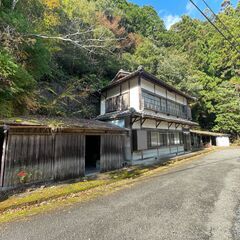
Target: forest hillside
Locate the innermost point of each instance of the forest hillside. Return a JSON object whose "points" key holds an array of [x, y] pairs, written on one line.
{"points": [[55, 55]]}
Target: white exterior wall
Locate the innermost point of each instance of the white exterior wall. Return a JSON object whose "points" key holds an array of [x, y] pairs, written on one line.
{"points": [[136, 125], [173, 126], [186, 127], [152, 124], [163, 125], [222, 141], [113, 92], [179, 128], [180, 99], [134, 94], [102, 106], [171, 96], [125, 87], [161, 91], [147, 85], [149, 124]]}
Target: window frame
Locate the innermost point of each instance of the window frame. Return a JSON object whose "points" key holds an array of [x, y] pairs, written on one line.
{"points": [[166, 138], [161, 104]]}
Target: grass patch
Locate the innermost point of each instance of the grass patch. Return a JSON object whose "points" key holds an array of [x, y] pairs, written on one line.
{"points": [[128, 173], [48, 193]]}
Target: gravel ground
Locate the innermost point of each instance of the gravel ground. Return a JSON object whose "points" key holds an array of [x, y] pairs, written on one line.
{"points": [[197, 200]]}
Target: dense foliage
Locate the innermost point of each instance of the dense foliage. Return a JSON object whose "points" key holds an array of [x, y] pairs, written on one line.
{"points": [[56, 54]]}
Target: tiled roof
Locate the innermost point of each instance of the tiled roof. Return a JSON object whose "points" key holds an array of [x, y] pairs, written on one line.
{"points": [[147, 75], [132, 112]]}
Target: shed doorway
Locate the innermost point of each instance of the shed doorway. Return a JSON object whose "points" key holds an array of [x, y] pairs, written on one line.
{"points": [[92, 154], [214, 142]]}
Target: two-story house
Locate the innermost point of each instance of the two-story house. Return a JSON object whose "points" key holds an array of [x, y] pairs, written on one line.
{"points": [[157, 115]]}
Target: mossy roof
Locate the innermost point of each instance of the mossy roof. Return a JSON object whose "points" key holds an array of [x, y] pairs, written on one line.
{"points": [[59, 122]]}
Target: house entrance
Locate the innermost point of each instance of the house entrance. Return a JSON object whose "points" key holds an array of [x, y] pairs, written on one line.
{"points": [[92, 154]]}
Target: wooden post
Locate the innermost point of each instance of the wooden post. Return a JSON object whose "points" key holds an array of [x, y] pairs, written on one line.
{"points": [[4, 149], [140, 92]]}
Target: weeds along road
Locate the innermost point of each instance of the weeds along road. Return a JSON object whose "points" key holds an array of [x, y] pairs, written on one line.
{"points": [[196, 200]]}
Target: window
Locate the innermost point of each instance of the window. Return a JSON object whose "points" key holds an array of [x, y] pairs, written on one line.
{"points": [[163, 105], [157, 139], [149, 101], [181, 137], [160, 104], [163, 139], [112, 104], [154, 139], [188, 112], [120, 102], [176, 138], [171, 138], [152, 102]]}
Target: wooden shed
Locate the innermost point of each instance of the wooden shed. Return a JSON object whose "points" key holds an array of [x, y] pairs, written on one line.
{"points": [[46, 150], [201, 139]]}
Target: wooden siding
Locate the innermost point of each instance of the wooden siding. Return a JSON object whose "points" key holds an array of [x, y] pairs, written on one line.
{"points": [[47, 156], [69, 156], [112, 152], [44, 157], [30, 153]]}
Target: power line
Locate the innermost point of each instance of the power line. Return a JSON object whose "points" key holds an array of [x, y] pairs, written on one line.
{"points": [[216, 16], [219, 31]]}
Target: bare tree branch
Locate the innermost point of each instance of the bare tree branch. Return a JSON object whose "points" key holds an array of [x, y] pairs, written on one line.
{"points": [[80, 41], [14, 3]]}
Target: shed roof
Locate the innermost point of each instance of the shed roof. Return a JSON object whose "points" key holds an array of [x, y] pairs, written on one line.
{"points": [[123, 76], [60, 123], [207, 133]]}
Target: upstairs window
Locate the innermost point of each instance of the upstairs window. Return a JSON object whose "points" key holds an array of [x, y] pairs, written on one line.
{"points": [[161, 104], [117, 103], [113, 104]]}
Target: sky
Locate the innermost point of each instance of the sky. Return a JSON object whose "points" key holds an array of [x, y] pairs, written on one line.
{"points": [[172, 10]]}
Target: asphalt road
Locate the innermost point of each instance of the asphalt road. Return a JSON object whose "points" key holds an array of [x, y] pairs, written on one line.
{"points": [[197, 200]]}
